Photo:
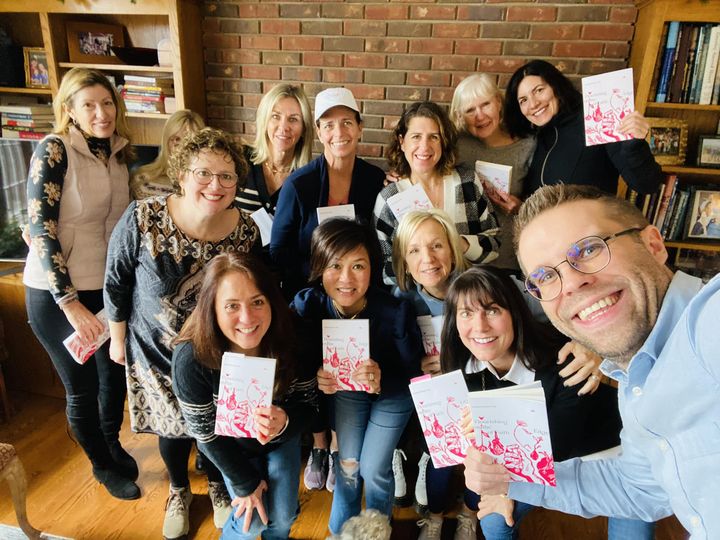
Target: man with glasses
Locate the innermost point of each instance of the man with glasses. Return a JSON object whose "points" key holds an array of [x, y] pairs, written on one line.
{"points": [[598, 268]]}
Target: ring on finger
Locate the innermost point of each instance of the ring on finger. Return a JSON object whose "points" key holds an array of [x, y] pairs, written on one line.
{"points": [[371, 376], [594, 377]]}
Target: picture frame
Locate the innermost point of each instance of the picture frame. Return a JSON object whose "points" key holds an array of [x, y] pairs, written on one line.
{"points": [[667, 138], [703, 218], [36, 67], [90, 43], [708, 154]]}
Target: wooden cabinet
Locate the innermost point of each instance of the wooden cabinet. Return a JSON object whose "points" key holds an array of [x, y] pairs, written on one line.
{"points": [[41, 23], [647, 51]]}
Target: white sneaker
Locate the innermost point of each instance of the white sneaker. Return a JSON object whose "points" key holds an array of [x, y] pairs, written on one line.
{"points": [[466, 526], [220, 500], [421, 500], [401, 496], [177, 513], [430, 528]]}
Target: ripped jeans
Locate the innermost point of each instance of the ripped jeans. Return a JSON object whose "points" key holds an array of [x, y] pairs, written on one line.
{"points": [[368, 429]]}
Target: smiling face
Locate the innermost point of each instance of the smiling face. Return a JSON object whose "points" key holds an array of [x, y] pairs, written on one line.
{"points": [[613, 310], [537, 100], [422, 144], [93, 109], [429, 257], [243, 313], [482, 116], [486, 329], [339, 132], [346, 280], [213, 198], [285, 126]]}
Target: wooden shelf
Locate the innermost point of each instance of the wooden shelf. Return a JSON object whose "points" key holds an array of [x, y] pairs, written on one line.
{"points": [[118, 67], [683, 106], [19, 90], [148, 116], [694, 245], [692, 171]]}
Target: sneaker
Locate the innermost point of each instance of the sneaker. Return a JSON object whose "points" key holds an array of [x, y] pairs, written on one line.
{"points": [[430, 528], [316, 470], [332, 471], [126, 464], [466, 526], [401, 497], [117, 484], [220, 500], [177, 513], [421, 500]]}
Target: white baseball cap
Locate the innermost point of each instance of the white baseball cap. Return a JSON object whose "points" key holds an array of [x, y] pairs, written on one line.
{"points": [[334, 97]]}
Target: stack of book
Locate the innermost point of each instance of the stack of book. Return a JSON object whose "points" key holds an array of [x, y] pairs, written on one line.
{"points": [[26, 121], [687, 70], [148, 94]]}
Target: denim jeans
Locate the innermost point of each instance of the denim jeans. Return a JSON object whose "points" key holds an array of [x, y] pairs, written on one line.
{"points": [[630, 529], [95, 392], [281, 469], [368, 430]]}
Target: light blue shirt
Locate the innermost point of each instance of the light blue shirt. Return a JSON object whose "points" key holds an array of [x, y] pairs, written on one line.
{"points": [[670, 407]]}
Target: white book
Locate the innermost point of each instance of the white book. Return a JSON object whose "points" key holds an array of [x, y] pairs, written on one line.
{"points": [[413, 198], [264, 222], [493, 175], [346, 211], [711, 66], [607, 99], [439, 402], [431, 328], [246, 383], [511, 424], [82, 353], [346, 345]]}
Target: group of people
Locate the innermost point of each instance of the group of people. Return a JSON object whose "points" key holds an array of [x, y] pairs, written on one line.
{"points": [[183, 275]]}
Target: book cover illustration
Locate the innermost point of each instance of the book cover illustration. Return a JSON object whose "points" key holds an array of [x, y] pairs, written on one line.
{"points": [[82, 353], [431, 328], [246, 382], [413, 198], [346, 345], [511, 424], [607, 99], [493, 176], [439, 402]]}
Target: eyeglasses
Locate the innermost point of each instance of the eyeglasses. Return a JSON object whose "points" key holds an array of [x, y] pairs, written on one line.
{"points": [[205, 176], [588, 256]]}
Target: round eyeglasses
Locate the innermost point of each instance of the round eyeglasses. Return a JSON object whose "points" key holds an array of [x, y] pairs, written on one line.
{"points": [[588, 256], [205, 176]]}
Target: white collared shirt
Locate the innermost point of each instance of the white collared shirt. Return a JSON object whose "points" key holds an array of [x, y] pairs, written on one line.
{"points": [[518, 374]]}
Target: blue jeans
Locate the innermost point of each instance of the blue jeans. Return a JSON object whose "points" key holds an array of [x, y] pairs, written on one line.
{"points": [[368, 429], [281, 470], [630, 529]]}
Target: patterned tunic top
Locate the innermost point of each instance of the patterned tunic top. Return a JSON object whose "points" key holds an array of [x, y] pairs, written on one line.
{"points": [[153, 277]]}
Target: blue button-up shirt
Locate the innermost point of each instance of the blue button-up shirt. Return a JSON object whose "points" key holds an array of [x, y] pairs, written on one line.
{"points": [[670, 406]]}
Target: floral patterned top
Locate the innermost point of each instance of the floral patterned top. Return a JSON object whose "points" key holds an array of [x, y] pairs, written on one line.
{"points": [[46, 177]]}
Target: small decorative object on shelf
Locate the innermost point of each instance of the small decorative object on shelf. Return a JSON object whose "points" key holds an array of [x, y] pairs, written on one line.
{"points": [[709, 151], [91, 43], [136, 56], [668, 139], [36, 67], [703, 221]]}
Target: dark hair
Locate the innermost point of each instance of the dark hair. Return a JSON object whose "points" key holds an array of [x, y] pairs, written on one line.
{"points": [[202, 330], [485, 286], [337, 236], [567, 95], [448, 137]]}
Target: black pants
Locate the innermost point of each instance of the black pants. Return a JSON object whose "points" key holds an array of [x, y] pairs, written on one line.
{"points": [[95, 392]]}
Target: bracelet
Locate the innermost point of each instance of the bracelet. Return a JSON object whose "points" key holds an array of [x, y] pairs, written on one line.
{"points": [[287, 422]]}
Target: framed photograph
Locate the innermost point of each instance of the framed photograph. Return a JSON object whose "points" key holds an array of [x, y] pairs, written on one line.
{"points": [[703, 220], [90, 43], [668, 139], [36, 68], [709, 151]]}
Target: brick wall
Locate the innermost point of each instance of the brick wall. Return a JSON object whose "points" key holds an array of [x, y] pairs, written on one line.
{"points": [[392, 53]]}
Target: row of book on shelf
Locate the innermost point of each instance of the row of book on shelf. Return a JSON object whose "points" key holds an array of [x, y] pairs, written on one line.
{"points": [[26, 121], [687, 70], [149, 94], [681, 211]]}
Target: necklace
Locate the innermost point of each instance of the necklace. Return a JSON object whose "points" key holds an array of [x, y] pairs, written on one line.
{"points": [[275, 170], [340, 313]]}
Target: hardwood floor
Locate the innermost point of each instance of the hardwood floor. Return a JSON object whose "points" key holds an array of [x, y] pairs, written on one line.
{"points": [[64, 499]]}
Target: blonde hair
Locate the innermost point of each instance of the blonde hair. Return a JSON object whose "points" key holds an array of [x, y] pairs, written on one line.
{"points": [[407, 228], [261, 147], [157, 169], [75, 80], [477, 85]]}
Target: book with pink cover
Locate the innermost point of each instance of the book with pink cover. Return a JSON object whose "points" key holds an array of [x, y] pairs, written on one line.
{"points": [[511, 424], [431, 328], [346, 345], [607, 99], [439, 402], [82, 353], [413, 198], [246, 382]]}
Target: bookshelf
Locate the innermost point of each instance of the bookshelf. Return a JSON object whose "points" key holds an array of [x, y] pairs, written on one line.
{"points": [[647, 50], [41, 23]]}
